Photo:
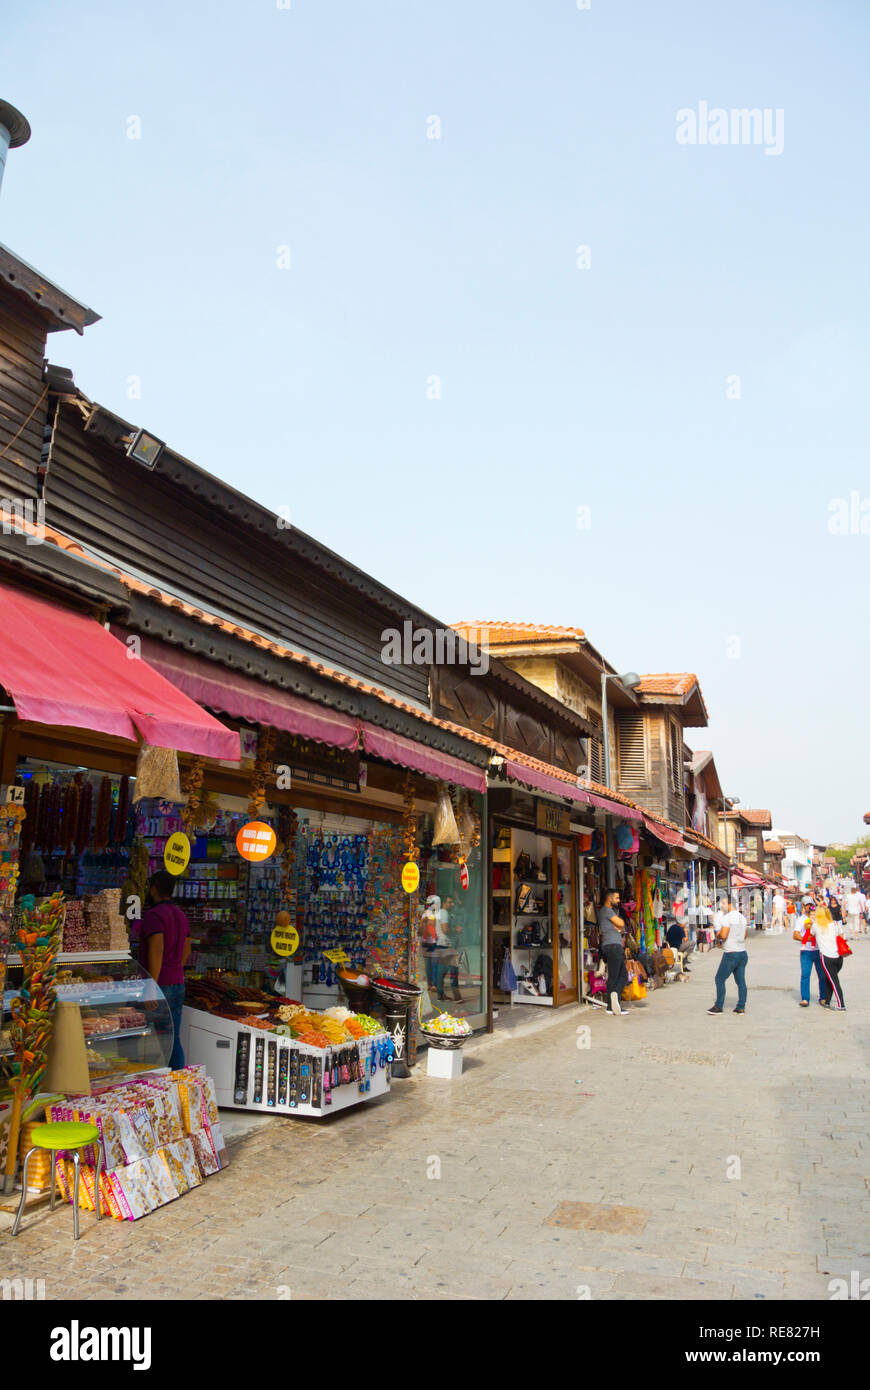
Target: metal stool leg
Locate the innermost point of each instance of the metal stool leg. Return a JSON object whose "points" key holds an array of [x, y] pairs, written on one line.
{"points": [[98, 1168], [53, 1177], [20, 1212], [76, 1165]]}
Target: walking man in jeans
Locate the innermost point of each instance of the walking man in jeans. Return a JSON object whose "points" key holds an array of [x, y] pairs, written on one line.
{"points": [[612, 947], [164, 945], [734, 960]]}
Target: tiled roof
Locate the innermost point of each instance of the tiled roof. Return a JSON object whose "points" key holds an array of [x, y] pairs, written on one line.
{"points": [[490, 633], [761, 819], [667, 683], [773, 847]]}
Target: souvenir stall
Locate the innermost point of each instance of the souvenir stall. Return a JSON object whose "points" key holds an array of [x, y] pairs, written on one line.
{"points": [[535, 895]]}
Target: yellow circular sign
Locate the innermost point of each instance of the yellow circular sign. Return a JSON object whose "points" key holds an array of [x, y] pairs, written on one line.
{"points": [[285, 941], [256, 841], [176, 854], [410, 877]]}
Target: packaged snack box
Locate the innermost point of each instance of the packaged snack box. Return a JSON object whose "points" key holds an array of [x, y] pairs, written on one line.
{"points": [[131, 1191], [186, 1156], [165, 1186], [175, 1168], [206, 1157]]}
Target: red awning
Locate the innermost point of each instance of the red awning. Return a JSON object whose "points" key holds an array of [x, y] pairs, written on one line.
{"points": [[663, 832], [62, 667], [546, 782], [248, 699], [395, 748]]}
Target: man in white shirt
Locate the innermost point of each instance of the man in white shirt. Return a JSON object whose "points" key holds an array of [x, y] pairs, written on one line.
{"points": [[732, 934], [779, 906], [862, 897], [853, 912]]}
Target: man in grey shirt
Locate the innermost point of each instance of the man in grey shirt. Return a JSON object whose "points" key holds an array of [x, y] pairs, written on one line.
{"points": [[612, 948]]}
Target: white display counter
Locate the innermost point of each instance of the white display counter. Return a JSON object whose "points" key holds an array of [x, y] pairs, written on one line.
{"points": [[257, 1070]]}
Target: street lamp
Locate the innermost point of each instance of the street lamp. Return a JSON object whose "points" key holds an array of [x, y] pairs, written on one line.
{"points": [[630, 680]]}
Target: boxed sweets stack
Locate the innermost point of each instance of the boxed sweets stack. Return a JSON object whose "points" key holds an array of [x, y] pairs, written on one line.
{"points": [[107, 929], [75, 932], [159, 1137]]}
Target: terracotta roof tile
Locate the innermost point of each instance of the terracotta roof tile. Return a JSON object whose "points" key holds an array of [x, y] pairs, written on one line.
{"points": [[489, 633], [668, 683], [759, 818], [773, 847]]}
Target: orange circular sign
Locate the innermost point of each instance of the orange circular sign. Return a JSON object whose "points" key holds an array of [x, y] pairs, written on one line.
{"points": [[256, 841]]}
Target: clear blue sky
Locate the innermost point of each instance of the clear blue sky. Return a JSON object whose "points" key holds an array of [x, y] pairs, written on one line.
{"points": [[560, 388]]}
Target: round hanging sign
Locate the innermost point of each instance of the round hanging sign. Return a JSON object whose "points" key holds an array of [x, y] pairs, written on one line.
{"points": [[410, 877], [176, 853], [285, 940], [256, 841], [463, 877]]}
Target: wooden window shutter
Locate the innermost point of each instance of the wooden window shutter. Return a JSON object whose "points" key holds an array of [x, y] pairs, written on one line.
{"points": [[676, 759], [632, 751]]}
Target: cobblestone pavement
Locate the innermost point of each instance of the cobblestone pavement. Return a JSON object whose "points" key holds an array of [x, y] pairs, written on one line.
{"points": [[677, 1156]]}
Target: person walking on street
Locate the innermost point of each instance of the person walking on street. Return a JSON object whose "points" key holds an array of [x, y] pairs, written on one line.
{"points": [[826, 934], [853, 913], [779, 906], [735, 959], [611, 929], [810, 958]]}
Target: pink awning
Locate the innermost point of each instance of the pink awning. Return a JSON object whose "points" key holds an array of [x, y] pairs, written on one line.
{"points": [[663, 832], [248, 699], [546, 782], [62, 667], [395, 748]]}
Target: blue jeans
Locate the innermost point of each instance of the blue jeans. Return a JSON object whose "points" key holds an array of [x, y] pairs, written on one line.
{"points": [[174, 995], [732, 963], [808, 960]]}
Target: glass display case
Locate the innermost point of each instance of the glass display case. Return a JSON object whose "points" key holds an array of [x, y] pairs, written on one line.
{"points": [[125, 1017]]}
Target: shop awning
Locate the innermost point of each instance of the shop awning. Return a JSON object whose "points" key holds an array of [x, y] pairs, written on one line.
{"points": [[545, 782], [663, 832], [250, 700], [62, 667], [395, 748]]}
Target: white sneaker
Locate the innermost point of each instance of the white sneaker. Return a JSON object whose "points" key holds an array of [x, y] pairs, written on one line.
{"points": [[615, 1007]]}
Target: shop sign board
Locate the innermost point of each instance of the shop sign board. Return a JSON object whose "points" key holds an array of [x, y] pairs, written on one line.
{"points": [[285, 940], [176, 853], [256, 841], [410, 877], [556, 820]]}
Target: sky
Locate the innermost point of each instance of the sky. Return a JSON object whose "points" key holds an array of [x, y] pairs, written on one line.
{"points": [[451, 284]]}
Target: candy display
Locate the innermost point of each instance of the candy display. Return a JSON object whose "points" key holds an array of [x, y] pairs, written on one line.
{"points": [[449, 1026], [160, 1137]]}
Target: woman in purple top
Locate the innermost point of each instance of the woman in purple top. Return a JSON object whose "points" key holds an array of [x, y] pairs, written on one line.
{"points": [[164, 950]]}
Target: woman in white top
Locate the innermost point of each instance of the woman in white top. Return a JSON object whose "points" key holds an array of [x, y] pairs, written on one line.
{"points": [[825, 932]]}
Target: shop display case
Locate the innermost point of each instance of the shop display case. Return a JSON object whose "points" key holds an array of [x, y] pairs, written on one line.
{"points": [[254, 1069], [125, 1017], [534, 914]]}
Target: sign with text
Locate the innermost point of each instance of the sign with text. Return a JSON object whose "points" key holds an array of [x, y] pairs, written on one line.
{"points": [[410, 877], [555, 819], [285, 940], [176, 853], [256, 841]]}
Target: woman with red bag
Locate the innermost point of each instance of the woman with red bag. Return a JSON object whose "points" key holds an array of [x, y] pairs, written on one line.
{"points": [[810, 957], [833, 951]]}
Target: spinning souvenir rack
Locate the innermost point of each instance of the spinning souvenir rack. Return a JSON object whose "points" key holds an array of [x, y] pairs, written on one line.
{"points": [[256, 1070]]}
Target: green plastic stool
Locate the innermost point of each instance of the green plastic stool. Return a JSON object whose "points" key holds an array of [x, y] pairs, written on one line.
{"points": [[59, 1136]]}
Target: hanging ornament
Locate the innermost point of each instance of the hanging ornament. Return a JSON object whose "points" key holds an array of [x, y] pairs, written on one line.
{"points": [[409, 815], [191, 786], [261, 772], [446, 831]]}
